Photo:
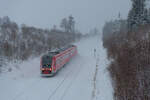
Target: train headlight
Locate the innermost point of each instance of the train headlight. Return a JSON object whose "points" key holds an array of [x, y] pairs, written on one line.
{"points": [[42, 68], [50, 69]]}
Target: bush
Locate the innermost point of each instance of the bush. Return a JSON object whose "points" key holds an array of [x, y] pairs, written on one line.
{"points": [[129, 54]]}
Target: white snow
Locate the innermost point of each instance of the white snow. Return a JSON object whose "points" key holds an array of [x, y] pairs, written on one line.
{"points": [[73, 82]]}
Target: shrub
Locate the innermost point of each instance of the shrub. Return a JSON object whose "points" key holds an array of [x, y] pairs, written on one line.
{"points": [[129, 54]]}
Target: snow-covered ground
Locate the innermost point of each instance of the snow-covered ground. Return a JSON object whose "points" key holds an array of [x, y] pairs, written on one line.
{"points": [[84, 78]]}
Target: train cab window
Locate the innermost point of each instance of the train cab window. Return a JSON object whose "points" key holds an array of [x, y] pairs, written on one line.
{"points": [[46, 61]]}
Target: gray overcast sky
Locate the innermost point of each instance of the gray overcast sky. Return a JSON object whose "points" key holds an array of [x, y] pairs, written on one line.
{"points": [[45, 13]]}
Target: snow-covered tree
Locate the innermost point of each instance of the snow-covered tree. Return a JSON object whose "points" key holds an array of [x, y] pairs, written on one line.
{"points": [[71, 24], [138, 14], [64, 25], [68, 25]]}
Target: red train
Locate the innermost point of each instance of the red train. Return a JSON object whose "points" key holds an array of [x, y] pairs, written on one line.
{"points": [[53, 61]]}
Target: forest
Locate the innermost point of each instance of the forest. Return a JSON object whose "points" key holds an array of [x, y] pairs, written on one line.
{"points": [[128, 48]]}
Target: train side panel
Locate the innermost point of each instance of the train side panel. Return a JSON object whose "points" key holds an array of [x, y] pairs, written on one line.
{"points": [[62, 58]]}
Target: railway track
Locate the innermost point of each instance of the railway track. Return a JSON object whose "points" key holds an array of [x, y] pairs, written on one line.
{"points": [[73, 73]]}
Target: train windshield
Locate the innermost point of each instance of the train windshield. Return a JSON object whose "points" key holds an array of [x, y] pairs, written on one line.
{"points": [[46, 61]]}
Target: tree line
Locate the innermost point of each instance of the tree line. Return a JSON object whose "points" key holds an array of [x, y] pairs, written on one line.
{"points": [[22, 42], [127, 42]]}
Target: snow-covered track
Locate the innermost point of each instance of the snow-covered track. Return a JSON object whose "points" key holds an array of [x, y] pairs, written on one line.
{"points": [[59, 85], [27, 88], [72, 82]]}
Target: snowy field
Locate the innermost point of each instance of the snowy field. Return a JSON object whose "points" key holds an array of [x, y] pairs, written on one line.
{"points": [[84, 78]]}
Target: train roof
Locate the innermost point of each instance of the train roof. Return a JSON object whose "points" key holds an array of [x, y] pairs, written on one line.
{"points": [[57, 51]]}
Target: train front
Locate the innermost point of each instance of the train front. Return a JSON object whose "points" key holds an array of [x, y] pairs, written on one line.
{"points": [[46, 65]]}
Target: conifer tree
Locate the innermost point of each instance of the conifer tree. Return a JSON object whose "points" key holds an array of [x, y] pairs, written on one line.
{"points": [[64, 24], [71, 24], [138, 14]]}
